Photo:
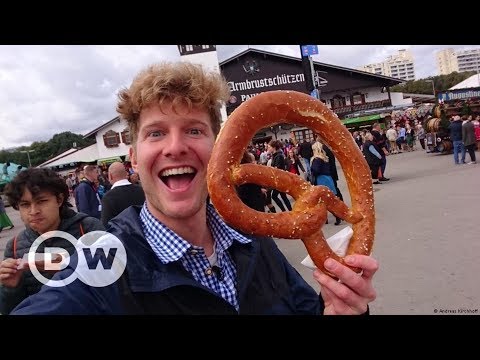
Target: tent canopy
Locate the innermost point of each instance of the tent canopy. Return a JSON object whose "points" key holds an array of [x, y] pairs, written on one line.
{"points": [[7, 173]]}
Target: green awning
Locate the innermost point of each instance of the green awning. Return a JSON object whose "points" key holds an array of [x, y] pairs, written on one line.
{"points": [[109, 160], [361, 119]]}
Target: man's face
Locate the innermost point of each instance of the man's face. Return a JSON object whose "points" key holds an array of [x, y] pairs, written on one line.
{"points": [[40, 212], [171, 156]]}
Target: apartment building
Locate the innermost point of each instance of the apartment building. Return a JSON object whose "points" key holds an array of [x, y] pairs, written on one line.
{"points": [[400, 66], [449, 60]]}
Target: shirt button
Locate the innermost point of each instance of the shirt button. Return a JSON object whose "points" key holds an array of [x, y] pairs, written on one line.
{"points": [[193, 252], [208, 271]]}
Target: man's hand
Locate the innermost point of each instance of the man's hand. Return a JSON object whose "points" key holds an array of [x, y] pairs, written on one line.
{"points": [[351, 294], [9, 274]]}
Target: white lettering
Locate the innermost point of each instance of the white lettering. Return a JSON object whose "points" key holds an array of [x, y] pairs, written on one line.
{"points": [[265, 82], [248, 96]]}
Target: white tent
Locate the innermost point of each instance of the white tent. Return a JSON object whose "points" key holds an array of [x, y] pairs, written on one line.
{"points": [[471, 82]]}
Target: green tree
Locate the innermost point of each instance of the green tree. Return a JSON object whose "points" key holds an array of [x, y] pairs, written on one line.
{"points": [[442, 83], [44, 150]]}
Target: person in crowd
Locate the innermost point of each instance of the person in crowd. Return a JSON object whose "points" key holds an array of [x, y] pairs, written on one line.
{"points": [[332, 163], [321, 173], [476, 126], [41, 197], [409, 137], [4, 219], [134, 178], [122, 194], [182, 257], [392, 139], [278, 161], [293, 163], [371, 152], [358, 139], [380, 141], [252, 195], [87, 199], [305, 151], [400, 138], [103, 181], [421, 135], [455, 129], [468, 139]]}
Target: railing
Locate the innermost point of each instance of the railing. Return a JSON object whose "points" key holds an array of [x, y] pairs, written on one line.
{"points": [[344, 110]]}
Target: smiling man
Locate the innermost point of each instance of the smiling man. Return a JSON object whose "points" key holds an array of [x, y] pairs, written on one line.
{"points": [[182, 257]]}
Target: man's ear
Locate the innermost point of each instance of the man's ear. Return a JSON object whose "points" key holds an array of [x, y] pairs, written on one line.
{"points": [[133, 157], [60, 198]]}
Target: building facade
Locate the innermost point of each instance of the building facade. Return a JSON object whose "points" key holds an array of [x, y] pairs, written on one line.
{"points": [[446, 61], [343, 90], [400, 66], [112, 143], [449, 60], [205, 55]]}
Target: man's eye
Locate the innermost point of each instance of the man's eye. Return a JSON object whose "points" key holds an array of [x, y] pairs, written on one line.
{"points": [[155, 134], [195, 131]]}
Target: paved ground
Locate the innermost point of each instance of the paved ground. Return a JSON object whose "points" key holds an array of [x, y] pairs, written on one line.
{"points": [[427, 237], [428, 216]]}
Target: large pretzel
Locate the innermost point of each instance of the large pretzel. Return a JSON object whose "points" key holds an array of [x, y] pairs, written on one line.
{"points": [[309, 212]]}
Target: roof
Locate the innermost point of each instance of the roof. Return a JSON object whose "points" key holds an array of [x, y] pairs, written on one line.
{"points": [[314, 62], [419, 98], [94, 131], [471, 82], [362, 119], [65, 153], [85, 155]]}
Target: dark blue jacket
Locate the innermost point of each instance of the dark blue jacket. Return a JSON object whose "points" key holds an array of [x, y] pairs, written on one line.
{"points": [[266, 283], [76, 224], [455, 128], [86, 199]]}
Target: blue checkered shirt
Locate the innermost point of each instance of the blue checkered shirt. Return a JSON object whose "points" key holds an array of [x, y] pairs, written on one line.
{"points": [[169, 247]]}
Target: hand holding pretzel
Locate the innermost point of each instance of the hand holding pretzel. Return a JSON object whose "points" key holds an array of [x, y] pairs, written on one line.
{"points": [[311, 202]]}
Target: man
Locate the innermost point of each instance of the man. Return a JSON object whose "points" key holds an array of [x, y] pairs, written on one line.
{"points": [[182, 258], [380, 141], [392, 139], [87, 199], [468, 138], [306, 153], [455, 129], [122, 194]]}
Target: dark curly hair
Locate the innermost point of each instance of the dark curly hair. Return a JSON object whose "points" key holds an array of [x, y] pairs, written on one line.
{"points": [[37, 180]]}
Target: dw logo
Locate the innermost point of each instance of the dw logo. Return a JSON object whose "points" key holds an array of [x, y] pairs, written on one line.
{"points": [[100, 259]]}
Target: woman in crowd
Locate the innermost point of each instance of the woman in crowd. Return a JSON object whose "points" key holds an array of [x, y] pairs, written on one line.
{"points": [[371, 152], [42, 200], [321, 173], [293, 163]]}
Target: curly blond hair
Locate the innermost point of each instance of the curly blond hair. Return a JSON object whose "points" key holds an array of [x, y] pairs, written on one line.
{"points": [[182, 83]]}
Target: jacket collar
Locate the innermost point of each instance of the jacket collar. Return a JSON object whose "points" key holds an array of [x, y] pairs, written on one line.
{"points": [[146, 273]]}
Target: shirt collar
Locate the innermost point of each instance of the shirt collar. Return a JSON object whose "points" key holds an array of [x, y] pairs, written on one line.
{"points": [[122, 182], [169, 246]]}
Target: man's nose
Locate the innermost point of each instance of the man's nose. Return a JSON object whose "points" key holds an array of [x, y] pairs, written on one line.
{"points": [[34, 208], [175, 144]]}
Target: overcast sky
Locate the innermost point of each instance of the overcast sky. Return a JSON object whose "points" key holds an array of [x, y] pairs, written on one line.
{"points": [[45, 90]]}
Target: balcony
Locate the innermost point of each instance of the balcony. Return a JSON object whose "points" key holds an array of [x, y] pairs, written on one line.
{"points": [[345, 110]]}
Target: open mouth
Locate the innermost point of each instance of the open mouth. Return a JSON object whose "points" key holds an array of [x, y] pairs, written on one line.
{"points": [[178, 178]]}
